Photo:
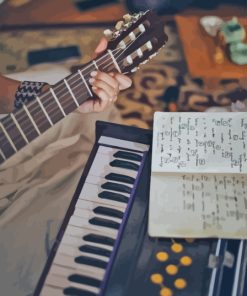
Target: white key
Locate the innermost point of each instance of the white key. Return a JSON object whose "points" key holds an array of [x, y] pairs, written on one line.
{"points": [[65, 271], [80, 222], [76, 232], [111, 151], [88, 205], [123, 143], [101, 167], [87, 214], [90, 192], [51, 291], [63, 282], [73, 251], [69, 262]]}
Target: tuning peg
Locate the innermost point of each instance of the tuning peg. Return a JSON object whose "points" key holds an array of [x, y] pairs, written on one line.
{"points": [[119, 25], [127, 18], [108, 33]]}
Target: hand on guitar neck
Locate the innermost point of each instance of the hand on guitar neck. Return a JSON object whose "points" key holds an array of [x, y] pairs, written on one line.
{"points": [[106, 87]]}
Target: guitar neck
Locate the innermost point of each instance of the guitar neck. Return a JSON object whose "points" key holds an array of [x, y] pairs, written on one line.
{"points": [[22, 126]]}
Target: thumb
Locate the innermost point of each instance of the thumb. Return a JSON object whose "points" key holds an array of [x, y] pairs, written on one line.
{"points": [[101, 47]]}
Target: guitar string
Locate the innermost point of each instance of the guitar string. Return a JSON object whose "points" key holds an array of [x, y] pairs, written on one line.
{"points": [[43, 96], [69, 101]]}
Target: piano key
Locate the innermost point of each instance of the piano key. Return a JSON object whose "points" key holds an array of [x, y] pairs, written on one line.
{"points": [[92, 192], [108, 195], [75, 251], [80, 222], [88, 205], [100, 209], [77, 292], [95, 250], [128, 155], [63, 282], [116, 187], [88, 214], [67, 272], [99, 239], [51, 291], [85, 234], [99, 181], [86, 280], [101, 167], [120, 178], [104, 223], [68, 261], [123, 144], [124, 165], [108, 212], [86, 260]]}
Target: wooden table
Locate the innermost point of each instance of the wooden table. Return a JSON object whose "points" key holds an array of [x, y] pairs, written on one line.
{"points": [[199, 49], [41, 13]]}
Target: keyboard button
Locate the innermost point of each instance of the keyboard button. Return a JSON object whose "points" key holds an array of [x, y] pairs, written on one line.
{"points": [[128, 155], [95, 250], [91, 261], [113, 196], [77, 292], [116, 187], [109, 212], [124, 165], [120, 178], [86, 280], [105, 223], [100, 239]]}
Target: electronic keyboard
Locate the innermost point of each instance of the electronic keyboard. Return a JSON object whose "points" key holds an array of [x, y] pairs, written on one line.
{"points": [[103, 247]]}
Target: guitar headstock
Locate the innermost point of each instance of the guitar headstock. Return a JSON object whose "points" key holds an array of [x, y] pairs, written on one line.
{"points": [[136, 39]]}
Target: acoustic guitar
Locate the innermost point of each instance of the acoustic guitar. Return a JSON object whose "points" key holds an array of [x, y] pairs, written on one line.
{"points": [[135, 40]]}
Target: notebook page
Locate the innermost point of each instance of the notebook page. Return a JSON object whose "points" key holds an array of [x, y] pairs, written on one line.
{"points": [[198, 205], [200, 142]]}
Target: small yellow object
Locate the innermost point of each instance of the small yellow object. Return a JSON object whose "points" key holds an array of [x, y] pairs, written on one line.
{"points": [[162, 256], [177, 248], [190, 240], [180, 283], [186, 261], [171, 269], [166, 292], [156, 278]]}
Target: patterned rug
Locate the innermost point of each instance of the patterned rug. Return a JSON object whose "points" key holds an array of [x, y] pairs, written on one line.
{"points": [[162, 84]]}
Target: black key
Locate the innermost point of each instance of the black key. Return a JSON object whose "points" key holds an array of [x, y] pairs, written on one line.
{"points": [[116, 187], [113, 196], [104, 222], [120, 178], [124, 165], [100, 239], [85, 280], [77, 292], [95, 250], [91, 261], [128, 155], [108, 212]]}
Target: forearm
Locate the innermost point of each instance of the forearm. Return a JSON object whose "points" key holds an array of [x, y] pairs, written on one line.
{"points": [[8, 89]]}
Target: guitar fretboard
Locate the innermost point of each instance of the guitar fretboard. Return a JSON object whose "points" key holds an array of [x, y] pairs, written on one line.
{"points": [[22, 126]]}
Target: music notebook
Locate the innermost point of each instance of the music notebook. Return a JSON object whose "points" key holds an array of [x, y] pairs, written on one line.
{"points": [[199, 175]]}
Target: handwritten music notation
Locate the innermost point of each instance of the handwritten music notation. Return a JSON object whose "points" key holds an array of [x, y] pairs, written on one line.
{"points": [[199, 142], [198, 180], [199, 205]]}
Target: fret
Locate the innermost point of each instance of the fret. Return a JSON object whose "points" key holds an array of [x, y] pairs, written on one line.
{"points": [[19, 128], [114, 61], [43, 109], [38, 116], [72, 94], [2, 157], [95, 64], [64, 96], [31, 119], [7, 136], [5, 145], [83, 79], [56, 99]]}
